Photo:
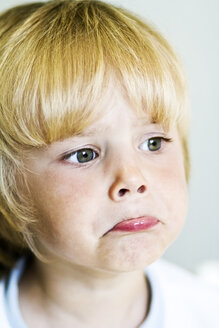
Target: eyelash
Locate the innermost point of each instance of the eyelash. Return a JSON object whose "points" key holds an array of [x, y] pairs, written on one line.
{"points": [[95, 154], [160, 138], [68, 156]]}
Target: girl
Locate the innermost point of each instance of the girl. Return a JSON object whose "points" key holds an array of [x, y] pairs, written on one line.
{"points": [[94, 170]]}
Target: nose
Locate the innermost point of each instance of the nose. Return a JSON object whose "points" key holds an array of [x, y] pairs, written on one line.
{"points": [[129, 182]]}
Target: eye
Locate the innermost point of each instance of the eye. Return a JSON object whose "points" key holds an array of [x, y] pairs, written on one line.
{"points": [[153, 144], [81, 156]]}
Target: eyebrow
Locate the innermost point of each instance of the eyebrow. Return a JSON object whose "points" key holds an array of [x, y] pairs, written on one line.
{"points": [[99, 129], [91, 131]]}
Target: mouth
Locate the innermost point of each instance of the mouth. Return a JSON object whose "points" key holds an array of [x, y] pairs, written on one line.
{"points": [[142, 223]]}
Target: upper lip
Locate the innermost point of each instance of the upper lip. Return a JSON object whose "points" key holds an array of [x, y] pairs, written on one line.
{"points": [[135, 217]]}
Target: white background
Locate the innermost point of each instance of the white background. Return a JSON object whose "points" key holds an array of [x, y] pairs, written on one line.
{"points": [[192, 26]]}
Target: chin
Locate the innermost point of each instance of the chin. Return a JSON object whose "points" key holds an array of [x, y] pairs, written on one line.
{"points": [[134, 261]]}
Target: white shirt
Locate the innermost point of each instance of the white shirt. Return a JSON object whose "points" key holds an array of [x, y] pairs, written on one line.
{"points": [[179, 299]]}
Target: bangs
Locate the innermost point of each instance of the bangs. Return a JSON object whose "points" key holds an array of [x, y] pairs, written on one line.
{"points": [[60, 60]]}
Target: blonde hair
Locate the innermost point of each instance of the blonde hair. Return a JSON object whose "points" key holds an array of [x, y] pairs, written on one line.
{"points": [[56, 62]]}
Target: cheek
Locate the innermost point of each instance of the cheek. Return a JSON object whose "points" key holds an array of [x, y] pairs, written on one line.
{"points": [[60, 190], [174, 194], [62, 201], [65, 214], [174, 187]]}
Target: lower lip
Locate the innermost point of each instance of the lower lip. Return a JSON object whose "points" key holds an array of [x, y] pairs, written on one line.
{"points": [[137, 224]]}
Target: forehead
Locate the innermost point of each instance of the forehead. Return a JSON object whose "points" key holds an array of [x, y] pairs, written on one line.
{"points": [[115, 103]]}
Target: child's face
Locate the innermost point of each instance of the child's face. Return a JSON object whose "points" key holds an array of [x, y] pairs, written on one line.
{"points": [[80, 196]]}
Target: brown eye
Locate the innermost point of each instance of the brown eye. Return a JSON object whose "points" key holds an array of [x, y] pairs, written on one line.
{"points": [[154, 143]]}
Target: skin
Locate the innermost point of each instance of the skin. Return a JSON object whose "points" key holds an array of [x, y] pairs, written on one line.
{"points": [[94, 272]]}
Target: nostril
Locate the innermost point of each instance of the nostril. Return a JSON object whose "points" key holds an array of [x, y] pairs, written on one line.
{"points": [[141, 189], [122, 192]]}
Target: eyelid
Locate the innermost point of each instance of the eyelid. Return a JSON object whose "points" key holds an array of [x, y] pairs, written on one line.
{"points": [[73, 153], [65, 157], [74, 150], [156, 136], [163, 138]]}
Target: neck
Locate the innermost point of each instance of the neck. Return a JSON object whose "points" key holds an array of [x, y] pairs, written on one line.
{"points": [[84, 298]]}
